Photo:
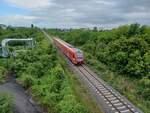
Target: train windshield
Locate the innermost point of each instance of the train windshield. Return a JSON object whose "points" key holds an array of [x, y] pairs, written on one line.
{"points": [[79, 54]]}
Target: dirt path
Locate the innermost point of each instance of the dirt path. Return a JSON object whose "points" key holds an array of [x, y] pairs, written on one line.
{"points": [[23, 103]]}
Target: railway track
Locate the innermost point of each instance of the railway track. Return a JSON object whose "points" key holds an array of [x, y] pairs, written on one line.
{"points": [[114, 102], [109, 100]]}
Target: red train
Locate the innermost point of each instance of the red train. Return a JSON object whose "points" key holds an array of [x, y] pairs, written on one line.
{"points": [[74, 54]]}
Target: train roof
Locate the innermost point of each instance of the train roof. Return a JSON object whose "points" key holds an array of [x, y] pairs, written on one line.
{"points": [[68, 45]]}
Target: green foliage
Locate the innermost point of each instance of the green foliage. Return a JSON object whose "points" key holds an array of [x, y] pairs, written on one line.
{"points": [[70, 105], [52, 90], [134, 29], [2, 74], [6, 103], [127, 56], [40, 70], [27, 80], [144, 88], [124, 50]]}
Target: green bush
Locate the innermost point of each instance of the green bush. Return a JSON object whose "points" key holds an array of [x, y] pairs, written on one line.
{"points": [[127, 56], [2, 74], [6, 103], [27, 80], [40, 70], [144, 88], [124, 50], [70, 105]]}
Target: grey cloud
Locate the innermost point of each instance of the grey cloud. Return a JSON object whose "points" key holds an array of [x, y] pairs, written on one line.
{"points": [[133, 5], [85, 13]]}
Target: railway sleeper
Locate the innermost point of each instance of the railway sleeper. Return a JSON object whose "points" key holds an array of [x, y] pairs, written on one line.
{"points": [[125, 111], [121, 107], [114, 101], [118, 104], [112, 98], [102, 89], [106, 91], [108, 96]]}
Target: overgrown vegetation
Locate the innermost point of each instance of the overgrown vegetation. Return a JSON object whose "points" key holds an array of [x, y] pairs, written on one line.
{"points": [[40, 71], [121, 56], [6, 103], [2, 74]]}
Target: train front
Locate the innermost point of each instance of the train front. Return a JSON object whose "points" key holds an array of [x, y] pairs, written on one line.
{"points": [[79, 56]]}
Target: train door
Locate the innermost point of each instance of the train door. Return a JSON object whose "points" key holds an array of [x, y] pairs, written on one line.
{"points": [[74, 57]]}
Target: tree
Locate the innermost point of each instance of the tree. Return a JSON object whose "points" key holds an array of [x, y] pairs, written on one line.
{"points": [[32, 26], [134, 29], [95, 29]]}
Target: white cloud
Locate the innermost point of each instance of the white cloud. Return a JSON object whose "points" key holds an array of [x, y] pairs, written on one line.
{"points": [[18, 20], [30, 4]]}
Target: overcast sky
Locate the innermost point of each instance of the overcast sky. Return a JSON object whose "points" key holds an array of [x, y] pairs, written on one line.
{"points": [[74, 13]]}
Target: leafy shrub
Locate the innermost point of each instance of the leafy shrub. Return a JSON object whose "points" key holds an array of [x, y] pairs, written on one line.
{"points": [[26, 80], [2, 74], [40, 70], [127, 56], [144, 88], [70, 105], [125, 50], [6, 103]]}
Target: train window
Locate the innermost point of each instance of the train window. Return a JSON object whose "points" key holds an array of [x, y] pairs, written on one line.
{"points": [[79, 52]]}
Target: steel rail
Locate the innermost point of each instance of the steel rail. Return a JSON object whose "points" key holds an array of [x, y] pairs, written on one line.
{"points": [[109, 91]]}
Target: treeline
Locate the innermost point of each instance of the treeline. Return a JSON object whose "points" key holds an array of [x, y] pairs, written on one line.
{"points": [[124, 50], [20, 32], [41, 72]]}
